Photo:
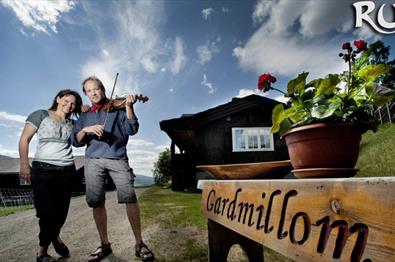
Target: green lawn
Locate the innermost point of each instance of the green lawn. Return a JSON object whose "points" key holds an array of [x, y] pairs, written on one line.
{"points": [[181, 228], [5, 211], [376, 156]]}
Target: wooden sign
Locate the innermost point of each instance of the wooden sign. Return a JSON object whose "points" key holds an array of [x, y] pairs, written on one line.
{"points": [[349, 219]]}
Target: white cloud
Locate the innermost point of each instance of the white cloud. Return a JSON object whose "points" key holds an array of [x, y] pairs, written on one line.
{"points": [[247, 92], [204, 54], [281, 99], [105, 52], [135, 48], [297, 36], [225, 10], [261, 10], [179, 58], [23, 32], [149, 64], [207, 51], [139, 142], [12, 117], [11, 152], [207, 12], [207, 84], [162, 148], [142, 155], [39, 15]]}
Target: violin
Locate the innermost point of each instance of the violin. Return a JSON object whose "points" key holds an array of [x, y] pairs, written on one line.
{"points": [[120, 103]]}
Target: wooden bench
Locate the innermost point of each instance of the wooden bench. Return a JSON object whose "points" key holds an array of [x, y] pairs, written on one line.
{"points": [[350, 219]]}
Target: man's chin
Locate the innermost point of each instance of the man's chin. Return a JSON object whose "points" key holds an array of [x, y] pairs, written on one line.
{"points": [[95, 101]]}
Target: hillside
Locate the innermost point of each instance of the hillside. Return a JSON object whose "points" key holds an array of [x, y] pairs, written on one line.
{"points": [[377, 156], [142, 181]]}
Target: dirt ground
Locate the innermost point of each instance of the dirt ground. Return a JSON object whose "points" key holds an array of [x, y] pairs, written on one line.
{"points": [[18, 233]]}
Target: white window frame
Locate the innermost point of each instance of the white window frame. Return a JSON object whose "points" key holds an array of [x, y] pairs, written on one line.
{"points": [[251, 129]]}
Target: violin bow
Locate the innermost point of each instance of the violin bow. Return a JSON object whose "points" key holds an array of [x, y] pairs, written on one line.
{"points": [[112, 92]]}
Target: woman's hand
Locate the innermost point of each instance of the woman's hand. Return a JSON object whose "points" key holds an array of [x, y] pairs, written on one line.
{"points": [[25, 173]]}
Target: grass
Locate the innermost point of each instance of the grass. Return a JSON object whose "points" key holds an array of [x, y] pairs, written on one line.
{"points": [[180, 227], [5, 211], [376, 157]]}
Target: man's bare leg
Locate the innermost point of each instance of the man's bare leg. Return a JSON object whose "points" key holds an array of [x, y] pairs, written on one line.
{"points": [[142, 251], [100, 217], [133, 212]]}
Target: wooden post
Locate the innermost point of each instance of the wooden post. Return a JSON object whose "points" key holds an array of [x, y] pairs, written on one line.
{"points": [[381, 120], [389, 113], [221, 239]]}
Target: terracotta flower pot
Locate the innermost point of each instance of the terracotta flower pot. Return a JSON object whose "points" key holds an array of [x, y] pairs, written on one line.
{"points": [[327, 149]]}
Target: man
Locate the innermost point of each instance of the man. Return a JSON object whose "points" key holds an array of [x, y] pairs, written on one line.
{"points": [[106, 153]]}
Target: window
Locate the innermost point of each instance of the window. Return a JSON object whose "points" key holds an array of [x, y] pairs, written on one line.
{"points": [[252, 139]]}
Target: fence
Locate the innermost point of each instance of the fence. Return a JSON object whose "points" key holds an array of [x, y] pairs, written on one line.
{"points": [[386, 113], [10, 197]]}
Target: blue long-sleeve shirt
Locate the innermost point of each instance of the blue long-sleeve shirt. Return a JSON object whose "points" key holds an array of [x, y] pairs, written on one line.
{"points": [[112, 145]]}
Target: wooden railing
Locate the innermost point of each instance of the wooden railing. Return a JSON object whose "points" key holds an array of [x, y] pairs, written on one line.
{"points": [[350, 219]]}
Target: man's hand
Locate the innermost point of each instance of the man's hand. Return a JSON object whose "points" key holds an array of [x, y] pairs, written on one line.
{"points": [[96, 129], [130, 100]]}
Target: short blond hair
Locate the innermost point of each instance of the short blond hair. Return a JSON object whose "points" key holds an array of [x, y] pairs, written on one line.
{"points": [[95, 79]]}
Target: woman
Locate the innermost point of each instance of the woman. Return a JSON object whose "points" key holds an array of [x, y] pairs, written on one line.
{"points": [[52, 168]]}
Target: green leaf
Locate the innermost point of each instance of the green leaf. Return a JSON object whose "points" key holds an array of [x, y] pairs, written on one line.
{"points": [[298, 84], [315, 83], [325, 109], [361, 61], [372, 72], [278, 116], [328, 85], [284, 127]]}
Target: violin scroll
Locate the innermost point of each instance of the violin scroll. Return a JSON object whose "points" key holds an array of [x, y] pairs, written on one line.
{"points": [[120, 102]]}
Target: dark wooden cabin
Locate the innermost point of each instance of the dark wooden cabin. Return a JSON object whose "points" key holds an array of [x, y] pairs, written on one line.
{"points": [[235, 132], [9, 174]]}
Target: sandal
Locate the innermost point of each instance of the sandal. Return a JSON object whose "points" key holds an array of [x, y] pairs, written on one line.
{"points": [[143, 252], [61, 248], [102, 251]]}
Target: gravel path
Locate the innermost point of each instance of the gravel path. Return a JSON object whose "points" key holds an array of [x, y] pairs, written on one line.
{"points": [[18, 233]]}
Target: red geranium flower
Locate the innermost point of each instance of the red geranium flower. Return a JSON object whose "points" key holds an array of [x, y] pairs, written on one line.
{"points": [[265, 81], [360, 45], [346, 46]]}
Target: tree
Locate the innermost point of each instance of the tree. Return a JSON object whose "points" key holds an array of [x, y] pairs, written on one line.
{"points": [[379, 54], [162, 173]]}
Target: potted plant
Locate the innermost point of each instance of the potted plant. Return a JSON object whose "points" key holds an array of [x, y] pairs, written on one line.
{"points": [[324, 119]]}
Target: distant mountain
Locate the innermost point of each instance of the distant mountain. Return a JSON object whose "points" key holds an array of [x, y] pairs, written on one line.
{"points": [[140, 181], [4, 157]]}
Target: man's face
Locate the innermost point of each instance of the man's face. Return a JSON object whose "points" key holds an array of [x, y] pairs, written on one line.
{"points": [[93, 92]]}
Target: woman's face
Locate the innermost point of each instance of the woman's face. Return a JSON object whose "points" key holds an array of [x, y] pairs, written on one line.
{"points": [[66, 103]]}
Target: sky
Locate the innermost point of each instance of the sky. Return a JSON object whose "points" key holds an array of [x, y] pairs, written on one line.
{"points": [[186, 56]]}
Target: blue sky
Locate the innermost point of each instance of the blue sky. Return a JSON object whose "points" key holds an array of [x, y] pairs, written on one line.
{"points": [[187, 56]]}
